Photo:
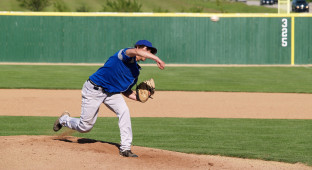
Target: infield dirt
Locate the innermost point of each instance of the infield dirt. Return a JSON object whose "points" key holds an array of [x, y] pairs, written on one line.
{"points": [[67, 152]]}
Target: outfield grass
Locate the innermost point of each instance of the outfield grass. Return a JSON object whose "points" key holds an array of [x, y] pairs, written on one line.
{"points": [[224, 79], [224, 6], [276, 140]]}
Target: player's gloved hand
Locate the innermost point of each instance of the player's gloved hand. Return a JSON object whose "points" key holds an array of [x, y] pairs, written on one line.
{"points": [[145, 90]]}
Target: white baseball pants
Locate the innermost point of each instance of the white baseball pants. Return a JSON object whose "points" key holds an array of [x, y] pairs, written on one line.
{"points": [[91, 101]]}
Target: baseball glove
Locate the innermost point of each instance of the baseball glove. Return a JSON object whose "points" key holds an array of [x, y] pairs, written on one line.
{"points": [[145, 90]]}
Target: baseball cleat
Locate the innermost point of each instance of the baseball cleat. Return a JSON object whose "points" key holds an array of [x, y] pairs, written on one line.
{"points": [[127, 153], [57, 126]]}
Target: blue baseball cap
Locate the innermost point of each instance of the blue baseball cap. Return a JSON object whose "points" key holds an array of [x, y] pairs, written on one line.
{"points": [[147, 44]]}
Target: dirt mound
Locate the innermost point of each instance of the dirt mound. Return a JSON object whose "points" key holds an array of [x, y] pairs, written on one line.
{"points": [[67, 152]]}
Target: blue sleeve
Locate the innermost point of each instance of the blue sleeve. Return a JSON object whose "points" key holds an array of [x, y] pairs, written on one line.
{"points": [[122, 55]]}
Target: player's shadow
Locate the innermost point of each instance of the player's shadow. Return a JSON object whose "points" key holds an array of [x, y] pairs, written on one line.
{"points": [[86, 140]]}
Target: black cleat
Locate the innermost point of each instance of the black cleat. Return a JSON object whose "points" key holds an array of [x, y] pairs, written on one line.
{"points": [[128, 153], [57, 126]]}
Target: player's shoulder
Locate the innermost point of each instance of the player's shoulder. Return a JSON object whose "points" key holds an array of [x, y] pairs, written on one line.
{"points": [[125, 49], [122, 54]]}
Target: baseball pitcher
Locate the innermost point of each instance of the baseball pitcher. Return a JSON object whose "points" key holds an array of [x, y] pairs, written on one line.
{"points": [[118, 75]]}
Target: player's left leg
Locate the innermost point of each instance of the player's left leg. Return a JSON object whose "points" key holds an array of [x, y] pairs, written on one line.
{"points": [[117, 103]]}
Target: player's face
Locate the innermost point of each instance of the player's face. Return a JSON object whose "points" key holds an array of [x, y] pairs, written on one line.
{"points": [[139, 58], [147, 49]]}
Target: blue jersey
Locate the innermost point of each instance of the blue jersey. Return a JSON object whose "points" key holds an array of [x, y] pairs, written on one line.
{"points": [[119, 74]]}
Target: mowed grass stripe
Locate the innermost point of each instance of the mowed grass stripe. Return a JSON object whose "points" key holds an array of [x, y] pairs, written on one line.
{"points": [[223, 79]]}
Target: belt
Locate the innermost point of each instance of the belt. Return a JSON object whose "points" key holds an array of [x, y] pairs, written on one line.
{"points": [[97, 87]]}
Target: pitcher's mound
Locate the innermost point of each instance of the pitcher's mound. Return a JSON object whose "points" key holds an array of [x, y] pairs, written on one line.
{"points": [[67, 152]]}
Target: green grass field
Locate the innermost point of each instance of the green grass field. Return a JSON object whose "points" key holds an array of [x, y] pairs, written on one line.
{"points": [[277, 140], [213, 6], [227, 79]]}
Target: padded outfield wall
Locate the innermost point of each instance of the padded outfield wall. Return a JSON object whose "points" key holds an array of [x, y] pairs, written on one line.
{"points": [[180, 38]]}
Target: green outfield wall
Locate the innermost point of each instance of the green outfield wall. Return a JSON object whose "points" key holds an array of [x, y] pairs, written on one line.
{"points": [[180, 38], [303, 40]]}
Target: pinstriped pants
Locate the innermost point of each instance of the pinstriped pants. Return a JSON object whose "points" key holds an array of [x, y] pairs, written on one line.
{"points": [[91, 101]]}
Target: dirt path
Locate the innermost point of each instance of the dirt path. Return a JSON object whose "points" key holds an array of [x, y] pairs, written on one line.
{"points": [[165, 104], [66, 152]]}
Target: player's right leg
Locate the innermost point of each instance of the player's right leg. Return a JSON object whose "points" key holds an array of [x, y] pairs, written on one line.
{"points": [[91, 101]]}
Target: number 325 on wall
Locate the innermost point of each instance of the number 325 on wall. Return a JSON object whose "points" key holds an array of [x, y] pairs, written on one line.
{"points": [[284, 32]]}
